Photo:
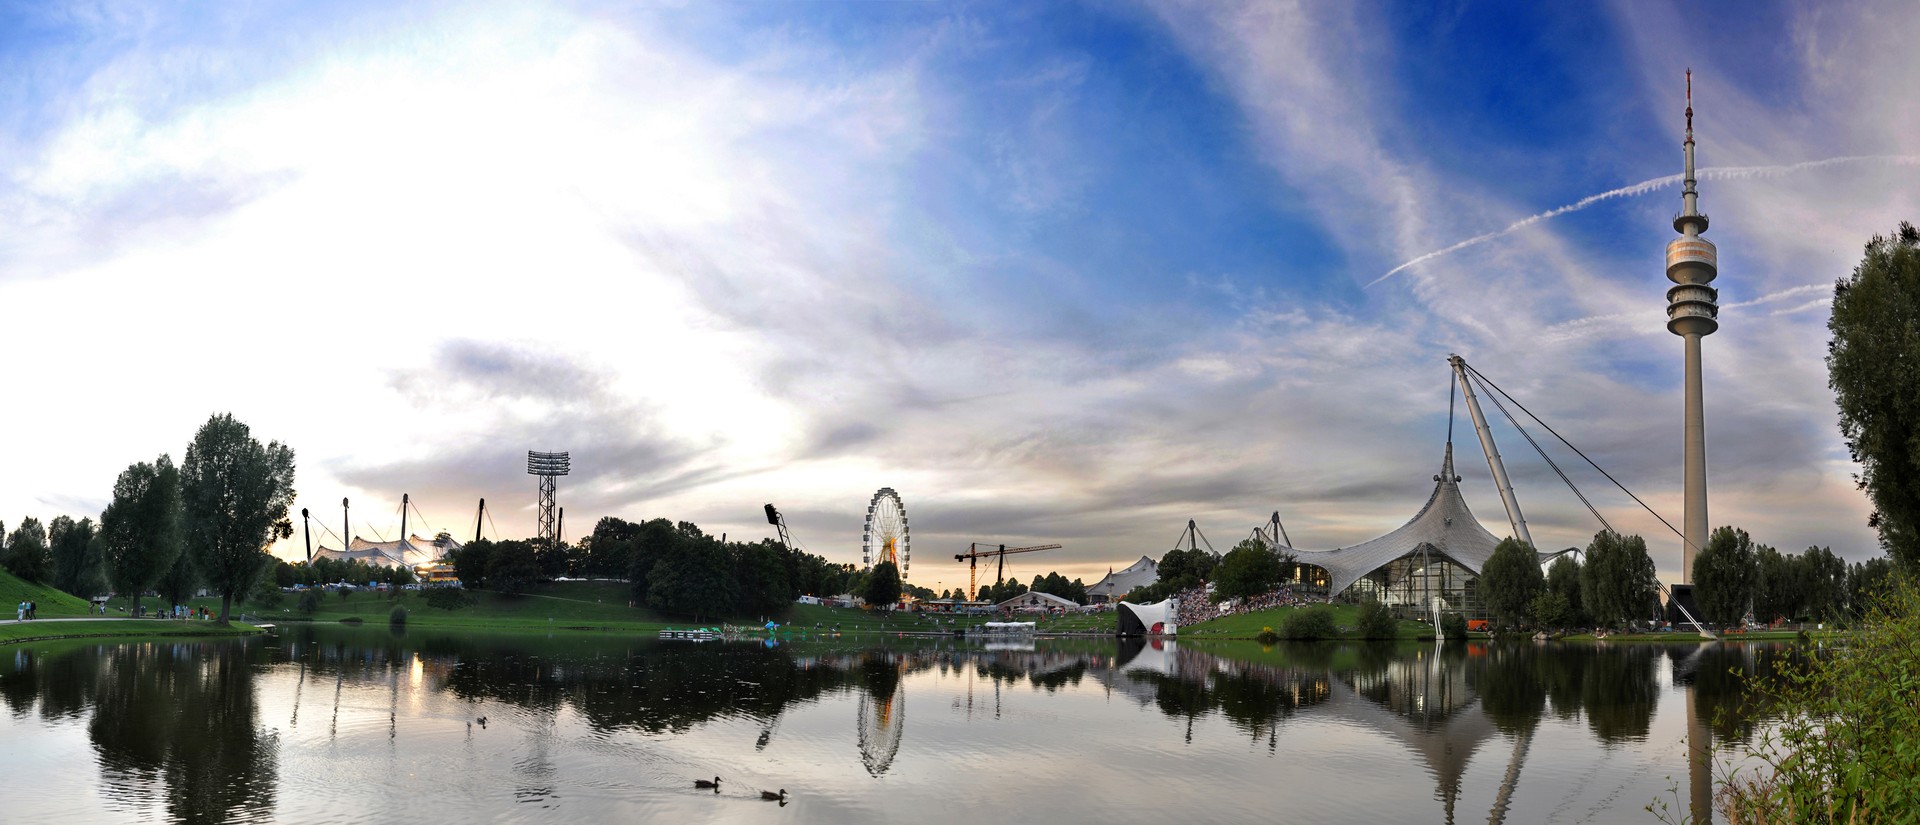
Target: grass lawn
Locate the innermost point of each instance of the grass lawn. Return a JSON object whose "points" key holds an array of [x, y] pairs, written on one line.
{"points": [[52, 603], [115, 628], [1249, 625]]}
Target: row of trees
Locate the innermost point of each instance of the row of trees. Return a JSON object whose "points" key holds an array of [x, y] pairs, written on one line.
{"points": [[1732, 575], [1615, 584], [207, 522]]}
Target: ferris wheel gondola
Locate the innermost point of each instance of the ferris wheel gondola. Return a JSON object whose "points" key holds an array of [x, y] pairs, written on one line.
{"points": [[887, 537]]}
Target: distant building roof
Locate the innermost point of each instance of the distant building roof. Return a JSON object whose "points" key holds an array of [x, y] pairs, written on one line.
{"points": [[1116, 585]]}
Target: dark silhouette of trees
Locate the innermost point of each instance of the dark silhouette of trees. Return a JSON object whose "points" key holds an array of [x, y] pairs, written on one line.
{"points": [[1510, 580], [26, 554], [140, 531]]}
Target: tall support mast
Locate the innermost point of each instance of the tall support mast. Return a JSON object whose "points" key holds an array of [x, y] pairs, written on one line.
{"points": [[477, 517], [346, 526], [405, 502], [1693, 313], [306, 530], [1514, 517]]}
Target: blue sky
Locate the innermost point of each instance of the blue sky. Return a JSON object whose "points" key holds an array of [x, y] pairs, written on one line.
{"points": [[1067, 272]]}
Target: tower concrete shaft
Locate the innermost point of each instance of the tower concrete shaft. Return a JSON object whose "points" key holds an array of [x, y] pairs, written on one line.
{"points": [[1693, 313]]}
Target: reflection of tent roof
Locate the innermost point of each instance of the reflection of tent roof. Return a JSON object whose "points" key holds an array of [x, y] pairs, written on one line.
{"points": [[1117, 584], [1445, 526], [412, 552]]}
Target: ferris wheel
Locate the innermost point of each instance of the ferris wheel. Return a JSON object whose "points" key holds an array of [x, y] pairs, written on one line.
{"points": [[886, 536]]}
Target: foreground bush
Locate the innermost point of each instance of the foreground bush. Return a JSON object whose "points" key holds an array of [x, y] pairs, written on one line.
{"points": [[1376, 621], [1309, 624], [398, 618], [1453, 626], [1848, 748]]}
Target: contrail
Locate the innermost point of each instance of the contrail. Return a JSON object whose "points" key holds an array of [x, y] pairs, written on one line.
{"points": [[1645, 186]]}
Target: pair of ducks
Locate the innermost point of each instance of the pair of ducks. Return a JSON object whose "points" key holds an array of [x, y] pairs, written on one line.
{"points": [[767, 795]]}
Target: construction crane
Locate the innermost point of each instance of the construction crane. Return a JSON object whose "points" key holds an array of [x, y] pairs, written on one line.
{"points": [[974, 554]]}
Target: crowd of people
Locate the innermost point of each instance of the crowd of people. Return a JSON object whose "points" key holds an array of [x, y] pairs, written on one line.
{"points": [[1196, 608]]}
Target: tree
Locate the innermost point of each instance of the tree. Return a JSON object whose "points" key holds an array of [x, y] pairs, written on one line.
{"points": [[1870, 367], [76, 563], [1185, 569], [1724, 574], [1376, 620], [513, 566], [694, 576], [1563, 578], [1779, 585], [761, 570], [140, 530], [1510, 580], [1617, 581], [234, 493], [180, 580], [27, 555], [469, 563], [1826, 584], [1249, 569], [1549, 608], [883, 585]]}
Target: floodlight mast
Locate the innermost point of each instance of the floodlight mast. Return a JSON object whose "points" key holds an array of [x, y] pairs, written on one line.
{"points": [[548, 466]]}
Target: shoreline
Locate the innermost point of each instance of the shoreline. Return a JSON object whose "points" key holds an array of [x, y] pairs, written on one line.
{"points": [[110, 629]]}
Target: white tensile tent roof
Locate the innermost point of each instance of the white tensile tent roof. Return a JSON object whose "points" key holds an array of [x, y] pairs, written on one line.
{"points": [[412, 551]]}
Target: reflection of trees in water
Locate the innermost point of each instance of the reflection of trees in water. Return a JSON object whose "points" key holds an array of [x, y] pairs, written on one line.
{"points": [[171, 720], [1720, 675]]}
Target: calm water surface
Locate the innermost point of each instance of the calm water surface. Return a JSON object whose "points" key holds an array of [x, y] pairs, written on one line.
{"points": [[324, 724]]}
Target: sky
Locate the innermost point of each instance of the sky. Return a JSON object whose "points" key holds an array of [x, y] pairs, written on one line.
{"points": [[1066, 273]]}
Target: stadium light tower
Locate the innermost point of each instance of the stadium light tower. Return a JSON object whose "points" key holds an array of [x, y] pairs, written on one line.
{"points": [[548, 466]]}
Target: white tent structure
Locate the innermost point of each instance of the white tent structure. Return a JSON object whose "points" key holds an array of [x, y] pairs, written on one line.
{"points": [[412, 551], [1118, 584], [1034, 600], [1157, 619]]}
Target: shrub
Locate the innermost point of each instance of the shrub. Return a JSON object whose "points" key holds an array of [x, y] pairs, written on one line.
{"points": [[1844, 751], [1309, 624], [309, 601], [1453, 626], [448, 598], [397, 618], [1377, 622], [1266, 636]]}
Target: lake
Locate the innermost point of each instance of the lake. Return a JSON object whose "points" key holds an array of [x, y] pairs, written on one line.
{"points": [[332, 724]]}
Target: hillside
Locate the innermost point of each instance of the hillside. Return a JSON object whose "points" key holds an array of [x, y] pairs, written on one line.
{"points": [[52, 603]]}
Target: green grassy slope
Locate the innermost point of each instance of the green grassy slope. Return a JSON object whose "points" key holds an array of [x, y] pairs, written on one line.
{"points": [[53, 603], [1248, 625]]}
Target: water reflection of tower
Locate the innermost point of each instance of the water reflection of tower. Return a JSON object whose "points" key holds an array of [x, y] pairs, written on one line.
{"points": [[883, 716], [1699, 738]]}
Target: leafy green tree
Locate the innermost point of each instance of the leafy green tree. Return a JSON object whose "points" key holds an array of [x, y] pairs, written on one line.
{"points": [[1510, 580], [655, 539], [883, 585], [469, 563], [513, 567], [1563, 578], [27, 555], [1249, 569], [1870, 367], [1779, 585], [76, 568], [234, 493], [1617, 581], [309, 602], [180, 580], [760, 568], [1309, 624], [1183, 569], [140, 531], [1826, 584], [694, 577], [1549, 608], [1453, 627], [1724, 575], [1376, 621], [1866, 581]]}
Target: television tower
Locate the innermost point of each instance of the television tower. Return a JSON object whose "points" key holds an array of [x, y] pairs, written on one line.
{"points": [[548, 466], [1692, 313]]}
